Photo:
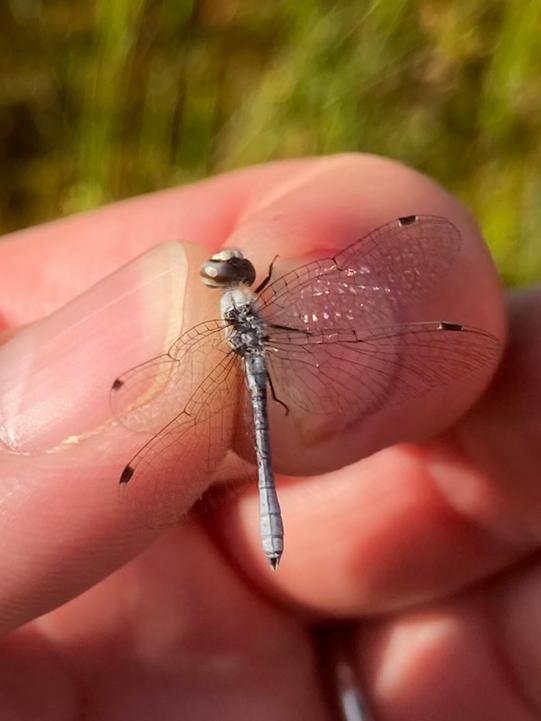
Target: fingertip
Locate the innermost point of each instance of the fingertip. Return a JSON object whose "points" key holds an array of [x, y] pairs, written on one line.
{"points": [[60, 259]]}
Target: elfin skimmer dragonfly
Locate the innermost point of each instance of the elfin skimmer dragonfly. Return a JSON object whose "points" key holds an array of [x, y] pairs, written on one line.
{"points": [[326, 338]]}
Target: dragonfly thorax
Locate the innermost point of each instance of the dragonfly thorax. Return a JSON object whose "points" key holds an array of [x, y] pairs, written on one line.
{"points": [[247, 329]]}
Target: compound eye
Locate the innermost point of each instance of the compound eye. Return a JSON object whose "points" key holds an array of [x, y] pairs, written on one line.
{"points": [[215, 273], [244, 269], [219, 273], [227, 254]]}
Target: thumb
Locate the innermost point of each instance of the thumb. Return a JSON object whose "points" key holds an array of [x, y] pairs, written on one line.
{"points": [[61, 524]]}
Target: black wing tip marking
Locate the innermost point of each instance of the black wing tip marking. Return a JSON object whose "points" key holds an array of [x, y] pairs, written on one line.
{"points": [[447, 325], [420, 218], [127, 473], [408, 219], [402, 222], [117, 384]]}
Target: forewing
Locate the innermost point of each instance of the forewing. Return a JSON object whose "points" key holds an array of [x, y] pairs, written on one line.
{"points": [[367, 283], [350, 375], [148, 396], [177, 465], [408, 256]]}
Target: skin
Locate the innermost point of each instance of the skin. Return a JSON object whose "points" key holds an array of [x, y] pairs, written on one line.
{"points": [[429, 548]]}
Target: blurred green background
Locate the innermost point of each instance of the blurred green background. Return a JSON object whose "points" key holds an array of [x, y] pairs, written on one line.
{"points": [[100, 100]]}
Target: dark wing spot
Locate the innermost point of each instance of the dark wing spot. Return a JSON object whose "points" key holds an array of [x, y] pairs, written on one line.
{"points": [[446, 325], [127, 473], [407, 220], [117, 384]]}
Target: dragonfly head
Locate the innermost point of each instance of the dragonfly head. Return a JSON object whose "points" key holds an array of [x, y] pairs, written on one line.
{"points": [[227, 268]]}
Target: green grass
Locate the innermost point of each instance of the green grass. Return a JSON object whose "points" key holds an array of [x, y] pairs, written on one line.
{"points": [[102, 100]]}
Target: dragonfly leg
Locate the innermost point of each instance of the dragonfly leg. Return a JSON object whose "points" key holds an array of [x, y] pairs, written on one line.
{"points": [[267, 278], [275, 397]]}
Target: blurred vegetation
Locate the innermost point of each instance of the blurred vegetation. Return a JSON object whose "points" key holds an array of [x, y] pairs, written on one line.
{"points": [[100, 100]]}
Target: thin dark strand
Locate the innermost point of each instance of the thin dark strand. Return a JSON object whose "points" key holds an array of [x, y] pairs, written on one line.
{"points": [[267, 278], [275, 397]]}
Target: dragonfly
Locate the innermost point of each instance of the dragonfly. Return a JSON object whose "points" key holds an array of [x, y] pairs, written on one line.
{"points": [[332, 337]]}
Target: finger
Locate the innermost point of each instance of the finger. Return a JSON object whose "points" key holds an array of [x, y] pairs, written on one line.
{"points": [[499, 440], [167, 633], [339, 204], [28, 661], [412, 524], [62, 524], [475, 657], [325, 206], [373, 537], [49, 403], [59, 260]]}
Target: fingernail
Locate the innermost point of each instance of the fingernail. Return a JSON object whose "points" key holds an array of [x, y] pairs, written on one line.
{"points": [[56, 374]]}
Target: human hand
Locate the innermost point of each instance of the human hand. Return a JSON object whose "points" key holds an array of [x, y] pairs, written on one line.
{"points": [[437, 539]]}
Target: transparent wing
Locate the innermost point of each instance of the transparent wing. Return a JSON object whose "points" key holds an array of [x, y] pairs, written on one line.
{"points": [[367, 283], [239, 468], [352, 374], [148, 396], [173, 469]]}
